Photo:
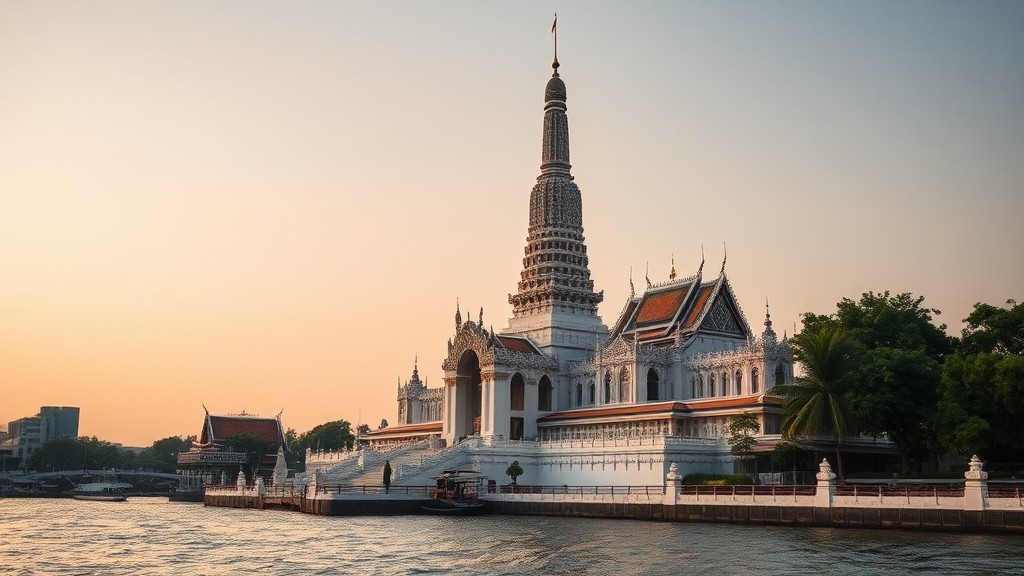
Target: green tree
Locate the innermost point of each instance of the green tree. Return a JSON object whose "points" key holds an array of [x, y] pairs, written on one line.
{"points": [[979, 407], [813, 403], [893, 388], [334, 435], [162, 456], [85, 452], [387, 476], [291, 437], [514, 470], [363, 430], [995, 330], [741, 436]]}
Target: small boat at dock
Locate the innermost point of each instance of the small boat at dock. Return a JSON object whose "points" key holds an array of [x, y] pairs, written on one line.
{"points": [[457, 493]]}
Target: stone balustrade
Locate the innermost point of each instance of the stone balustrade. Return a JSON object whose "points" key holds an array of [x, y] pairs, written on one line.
{"points": [[972, 495]]}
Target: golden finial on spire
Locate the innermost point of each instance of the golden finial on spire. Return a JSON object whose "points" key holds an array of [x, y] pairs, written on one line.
{"points": [[672, 274], [554, 30]]}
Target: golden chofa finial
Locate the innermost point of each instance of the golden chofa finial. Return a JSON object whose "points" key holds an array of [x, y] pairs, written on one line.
{"points": [[672, 274]]}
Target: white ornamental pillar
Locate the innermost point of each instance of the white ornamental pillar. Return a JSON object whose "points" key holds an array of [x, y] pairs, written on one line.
{"points": [[313, 485], [975, 486], [260, 488], [826, 485], [673, 485], [240, 482]]}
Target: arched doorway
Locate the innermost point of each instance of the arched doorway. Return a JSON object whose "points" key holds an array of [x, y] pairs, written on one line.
{"points": [[544, 394], [468, 395], [652, 385]]}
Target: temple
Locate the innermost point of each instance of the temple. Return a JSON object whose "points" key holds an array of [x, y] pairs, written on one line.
{"points": [[574, 401], [212, 458]]}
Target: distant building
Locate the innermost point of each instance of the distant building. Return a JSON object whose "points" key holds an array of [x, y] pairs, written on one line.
{"points": [[212, 460], [26, 435]]}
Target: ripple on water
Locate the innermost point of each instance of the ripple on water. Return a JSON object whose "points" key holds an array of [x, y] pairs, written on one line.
{"points": [[147, 536]]}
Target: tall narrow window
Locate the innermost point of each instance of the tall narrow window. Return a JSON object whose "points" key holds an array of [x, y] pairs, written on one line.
{"points": [[544, 393], [608, 385], [624, 395], [711, 385], [591, 394], [725, 383], [607, 391], [517, 394], [693, 387], [753, 381], [652, 385], [579, 394], [700, 386], [739, 382]]}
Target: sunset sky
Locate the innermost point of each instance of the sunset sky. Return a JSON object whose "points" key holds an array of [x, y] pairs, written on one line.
{"points": [[274, 205]]}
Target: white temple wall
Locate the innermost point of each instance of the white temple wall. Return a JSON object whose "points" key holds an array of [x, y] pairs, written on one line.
{"points": [[613, 466], [531, 413]]}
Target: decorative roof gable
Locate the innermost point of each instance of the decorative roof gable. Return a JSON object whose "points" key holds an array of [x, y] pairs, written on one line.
{"points": [[667, 313], [217, 429]]}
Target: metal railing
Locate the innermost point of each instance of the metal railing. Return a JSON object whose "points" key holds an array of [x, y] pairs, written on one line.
{"points": [[880, 491], [654, 490], [997, 491], [748, 490], [372, 489]]}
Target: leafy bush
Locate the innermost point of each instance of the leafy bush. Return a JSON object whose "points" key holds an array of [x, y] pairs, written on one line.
{"points": [[718, 479]]}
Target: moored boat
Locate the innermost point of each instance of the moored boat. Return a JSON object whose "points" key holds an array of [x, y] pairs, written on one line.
{"points": [[102, 491], [457, 492]]}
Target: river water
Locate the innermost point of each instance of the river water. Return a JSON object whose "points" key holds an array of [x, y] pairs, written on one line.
{"points": [[154, 536]]}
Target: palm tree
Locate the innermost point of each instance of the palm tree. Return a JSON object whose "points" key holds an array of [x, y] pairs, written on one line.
{"points": [[813, 403]]}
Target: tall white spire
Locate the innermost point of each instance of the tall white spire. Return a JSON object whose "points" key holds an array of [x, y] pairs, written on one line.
{"points": [[556, 269]]}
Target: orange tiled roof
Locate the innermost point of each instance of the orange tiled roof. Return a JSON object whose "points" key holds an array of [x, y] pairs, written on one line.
{"points": [[517, 344], [220, 427], [629, 410], [698, 305], [407, 429], [661, 307], [666, 408]]}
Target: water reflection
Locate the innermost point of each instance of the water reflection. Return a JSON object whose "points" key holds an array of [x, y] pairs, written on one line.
{"points": [[152, 536]]}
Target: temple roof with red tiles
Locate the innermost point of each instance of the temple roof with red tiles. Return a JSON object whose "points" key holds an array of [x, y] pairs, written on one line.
{"points": [[424, 427], [669, 409], [217, 429], [517, 344], [681, 308]]}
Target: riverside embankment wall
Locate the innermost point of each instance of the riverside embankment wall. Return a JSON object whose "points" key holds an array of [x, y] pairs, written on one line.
{"points": [[1006, 521], [991, 521]]}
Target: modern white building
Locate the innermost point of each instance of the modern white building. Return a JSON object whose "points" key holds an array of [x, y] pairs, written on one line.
{"points": [[574, 401]]}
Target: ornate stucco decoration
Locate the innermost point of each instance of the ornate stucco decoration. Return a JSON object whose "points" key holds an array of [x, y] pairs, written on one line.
{"points": [[470, 337]]}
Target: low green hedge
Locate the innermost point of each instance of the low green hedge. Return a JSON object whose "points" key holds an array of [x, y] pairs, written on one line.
{"points": [[719, 479]]}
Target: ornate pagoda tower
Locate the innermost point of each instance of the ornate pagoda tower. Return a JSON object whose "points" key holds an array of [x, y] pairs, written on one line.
{"points": [[556, 305]]}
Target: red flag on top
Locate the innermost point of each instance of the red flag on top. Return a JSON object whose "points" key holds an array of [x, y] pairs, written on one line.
{"points": [[554, 24]]}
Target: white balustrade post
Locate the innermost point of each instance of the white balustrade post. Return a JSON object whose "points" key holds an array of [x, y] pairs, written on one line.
{"points": [[312, 488], [975, 486], [260, 488], [826, 485], [240, 482], [673, 484]]}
